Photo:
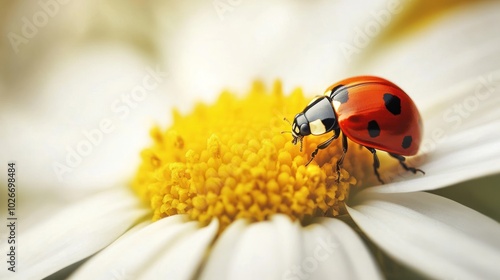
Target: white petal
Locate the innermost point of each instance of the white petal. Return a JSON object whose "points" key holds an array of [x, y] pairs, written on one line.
{"points": [[433, 235], [127, 257], [446, 49], [75, 233], [332, 250], [283, 242], [83, 120], [297, 41], [263, 250], [280, 249], [183, 257], [222, 252]]}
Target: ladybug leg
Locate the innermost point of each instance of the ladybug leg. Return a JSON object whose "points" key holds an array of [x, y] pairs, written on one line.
{"points": [[323, 145], [403, 164], [341, 159], [376, 163]]}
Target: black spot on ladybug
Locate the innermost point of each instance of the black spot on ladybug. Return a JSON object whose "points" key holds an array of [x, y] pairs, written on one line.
{"points": [[406, 142], [392, 103], [373, 129]]}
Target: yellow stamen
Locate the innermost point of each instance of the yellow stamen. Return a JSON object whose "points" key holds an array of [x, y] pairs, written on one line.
{"points": [[230, 161]]}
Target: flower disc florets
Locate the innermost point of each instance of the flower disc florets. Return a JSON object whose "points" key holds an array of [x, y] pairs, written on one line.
{"points": [[229, 161]]}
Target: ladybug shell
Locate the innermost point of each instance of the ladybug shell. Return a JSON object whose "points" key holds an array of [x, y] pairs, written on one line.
{"points": [[374, 112]]}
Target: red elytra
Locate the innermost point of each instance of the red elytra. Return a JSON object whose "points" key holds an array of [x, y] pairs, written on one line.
{"points": [[374, 112]]}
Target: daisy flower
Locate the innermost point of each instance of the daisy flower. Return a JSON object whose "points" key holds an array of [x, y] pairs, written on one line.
{"points": [[220, 193]]}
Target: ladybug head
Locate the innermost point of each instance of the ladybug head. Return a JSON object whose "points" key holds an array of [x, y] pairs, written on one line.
{"points": [[300, 128], [317, 118]]}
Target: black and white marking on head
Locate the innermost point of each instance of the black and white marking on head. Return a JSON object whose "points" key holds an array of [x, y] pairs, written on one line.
{"points": [[317, 127], [392, 103], [406, 142], [373, 129]]}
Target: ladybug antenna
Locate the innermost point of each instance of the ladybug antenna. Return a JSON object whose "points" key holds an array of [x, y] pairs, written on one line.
{"points": [[296, 138], [285, 119]]}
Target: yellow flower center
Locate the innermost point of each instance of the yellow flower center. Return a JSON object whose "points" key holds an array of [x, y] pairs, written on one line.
{"points": [[229, 161]]}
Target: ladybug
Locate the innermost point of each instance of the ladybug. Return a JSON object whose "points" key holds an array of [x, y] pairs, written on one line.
{"points": [[370, 111]]}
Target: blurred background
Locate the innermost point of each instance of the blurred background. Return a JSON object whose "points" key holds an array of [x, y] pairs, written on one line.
{"points": [[81, 83]]}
